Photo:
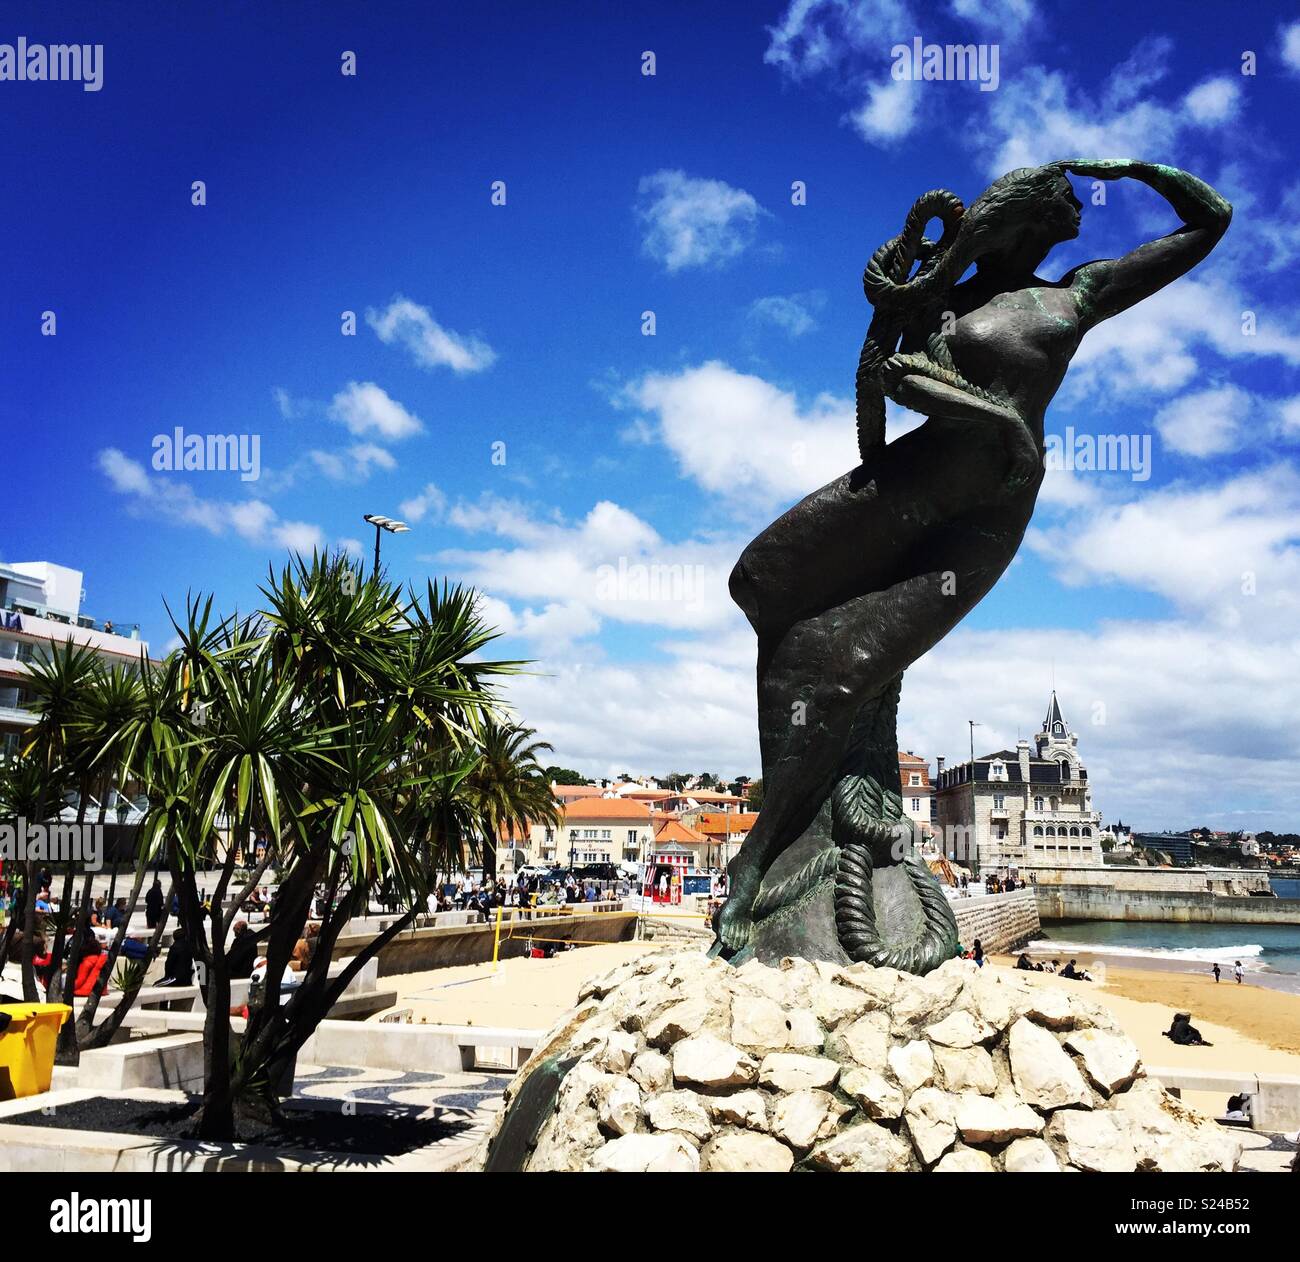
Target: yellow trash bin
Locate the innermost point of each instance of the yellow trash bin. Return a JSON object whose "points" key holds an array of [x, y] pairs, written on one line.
{"points": [[27, 1047]]}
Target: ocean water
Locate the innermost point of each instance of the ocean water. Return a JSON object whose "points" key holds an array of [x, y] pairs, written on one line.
{"points": [[1260, 948], [1285, 886]]}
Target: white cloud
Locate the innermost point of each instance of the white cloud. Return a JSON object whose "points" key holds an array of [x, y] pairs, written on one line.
{"points": [[1002, 18], [1213, 101], [255, 521], [430, 345], [1040, 116], [1207, 422], [354, 464], [889, 112], [1290, 37], [367, 409], [1152, 347], [429, 501], [693, 222], [746, 440], [1229, 553], [571, 577], [791, 312]]}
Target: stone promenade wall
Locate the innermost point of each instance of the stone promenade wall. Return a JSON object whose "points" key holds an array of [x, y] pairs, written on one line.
{"points": [[1002, 922], [1093, 902]]}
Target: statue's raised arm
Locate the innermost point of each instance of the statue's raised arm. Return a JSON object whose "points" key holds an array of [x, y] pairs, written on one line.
{"points": [[1106, 287]]}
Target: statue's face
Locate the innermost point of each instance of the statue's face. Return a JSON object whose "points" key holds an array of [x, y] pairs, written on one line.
{"points": [[1063, 212]]}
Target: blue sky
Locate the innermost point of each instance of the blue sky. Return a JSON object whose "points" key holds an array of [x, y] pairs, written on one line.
{"points": [[1162, 610]]}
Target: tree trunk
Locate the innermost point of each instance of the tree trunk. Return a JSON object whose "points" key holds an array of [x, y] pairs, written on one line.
{"points": [[86, 1021], [30, 994]]}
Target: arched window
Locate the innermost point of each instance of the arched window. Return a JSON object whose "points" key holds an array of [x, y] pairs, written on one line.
{"points": [[1038, 804], [1051, 832], [1038, 830], [1064, 765], [1087, 832], [1074, 832], [1058, 728]]}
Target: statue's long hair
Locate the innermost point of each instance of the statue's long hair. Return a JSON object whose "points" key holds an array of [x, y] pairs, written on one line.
{"points": [[900, 298]]}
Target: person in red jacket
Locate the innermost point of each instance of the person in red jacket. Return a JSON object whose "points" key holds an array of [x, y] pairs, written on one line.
{"points": [[93, 959]]}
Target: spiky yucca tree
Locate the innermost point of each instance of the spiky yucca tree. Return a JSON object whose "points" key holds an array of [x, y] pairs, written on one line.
{"points": [[341, 722]]}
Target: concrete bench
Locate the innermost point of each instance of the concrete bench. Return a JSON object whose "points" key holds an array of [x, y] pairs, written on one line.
{"points": [[1274, 1098], [174, 1060], [427, 1048]]}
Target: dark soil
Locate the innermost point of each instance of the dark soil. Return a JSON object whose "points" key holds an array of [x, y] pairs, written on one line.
{"points": [[375, 1131]]}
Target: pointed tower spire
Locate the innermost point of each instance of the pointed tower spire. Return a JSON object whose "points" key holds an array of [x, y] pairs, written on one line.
{"points": [[1053, 716]]}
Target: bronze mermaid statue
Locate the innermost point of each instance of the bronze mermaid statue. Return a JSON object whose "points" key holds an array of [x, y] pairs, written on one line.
{"points": [[865, 575]]}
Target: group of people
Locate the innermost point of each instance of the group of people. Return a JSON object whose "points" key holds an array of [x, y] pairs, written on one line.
{"points": [[526, 890], [1071, 972]]}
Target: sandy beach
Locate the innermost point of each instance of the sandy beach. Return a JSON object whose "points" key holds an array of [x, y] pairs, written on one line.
{"points": [[1251, 1027]]}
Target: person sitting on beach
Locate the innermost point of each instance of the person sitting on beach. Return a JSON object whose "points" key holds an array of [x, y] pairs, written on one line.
{"points": [[1073, 974], [1023, 963], [1183, 1032]]}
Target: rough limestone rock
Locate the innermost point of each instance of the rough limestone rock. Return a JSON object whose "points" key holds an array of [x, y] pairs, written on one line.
{"points": [[789, 1071], [707, 1060], [984, 1121], [966, 1069], [878, 1097], [966, 1161], [620, 1107], [675, 1062], [681, 1111], [1110, 1061], [1029, 1156], [912, 1064], [930, 1122], [746, 1151], [797, 1118], [1091, 1141], [759, 1024], [1044, 1074], [635, 1154]]}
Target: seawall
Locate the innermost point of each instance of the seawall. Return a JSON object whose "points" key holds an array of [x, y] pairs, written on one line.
{"points": [[444, 945], [1097, 902], [1002, 922]]}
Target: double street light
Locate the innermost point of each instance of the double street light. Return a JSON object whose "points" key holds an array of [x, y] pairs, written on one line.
{"points": [[384, 523]]}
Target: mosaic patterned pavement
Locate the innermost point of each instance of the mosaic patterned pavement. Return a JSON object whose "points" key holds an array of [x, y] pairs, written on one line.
{"points": [[470, 1093]]}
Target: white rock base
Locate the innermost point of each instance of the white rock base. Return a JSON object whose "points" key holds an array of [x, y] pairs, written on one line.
{"points": [[685, 1063]]}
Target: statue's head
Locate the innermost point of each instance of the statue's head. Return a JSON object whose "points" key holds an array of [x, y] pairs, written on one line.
{"points": [[1024, 213]]}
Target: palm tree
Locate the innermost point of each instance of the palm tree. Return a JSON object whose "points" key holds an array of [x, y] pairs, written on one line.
{"points": [[508, 786]]}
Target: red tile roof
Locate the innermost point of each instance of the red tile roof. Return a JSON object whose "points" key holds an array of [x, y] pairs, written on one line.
{"points": [[605, 808]]}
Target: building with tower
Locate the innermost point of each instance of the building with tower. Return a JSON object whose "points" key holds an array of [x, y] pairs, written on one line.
{"points": [[1019, 809]]}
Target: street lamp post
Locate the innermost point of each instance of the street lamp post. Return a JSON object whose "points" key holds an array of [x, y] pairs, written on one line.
{"points": [[384, 523]]}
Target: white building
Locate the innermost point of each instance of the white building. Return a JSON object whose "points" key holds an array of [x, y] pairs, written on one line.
{"points": [[1011, 811], [40, 605]]}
